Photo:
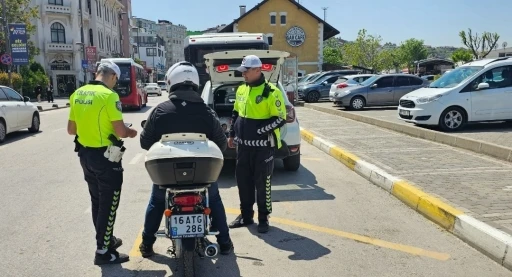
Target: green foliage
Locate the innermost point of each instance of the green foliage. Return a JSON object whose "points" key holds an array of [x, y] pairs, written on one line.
{"points": [[390, 59], [480, 46], [462, 55], [364, 51], [137, 61], [21, 11], [333, 52], [15, 77], [413, 50], [33, 75], [437, 77]]}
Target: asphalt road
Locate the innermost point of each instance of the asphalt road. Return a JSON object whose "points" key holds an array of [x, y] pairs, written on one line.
{"points": [[499, 133], [327, 220]]}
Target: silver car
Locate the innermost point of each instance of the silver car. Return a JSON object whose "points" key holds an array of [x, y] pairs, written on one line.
{"points": [[379, 90]]}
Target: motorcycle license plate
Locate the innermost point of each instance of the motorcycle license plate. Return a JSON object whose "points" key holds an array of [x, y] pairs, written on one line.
{"points": [[187, 226]]}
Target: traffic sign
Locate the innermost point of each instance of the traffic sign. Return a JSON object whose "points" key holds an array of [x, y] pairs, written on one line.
{"points": [[6, 59]]}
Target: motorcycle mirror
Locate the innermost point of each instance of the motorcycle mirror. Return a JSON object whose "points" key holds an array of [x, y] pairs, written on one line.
{"points": [[143, 123]]}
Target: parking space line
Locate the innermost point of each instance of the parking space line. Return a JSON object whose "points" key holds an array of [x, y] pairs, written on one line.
{"points": [[135, 252]]}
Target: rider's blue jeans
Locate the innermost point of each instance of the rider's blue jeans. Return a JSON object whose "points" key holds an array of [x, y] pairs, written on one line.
{"points": [[156, 207]]}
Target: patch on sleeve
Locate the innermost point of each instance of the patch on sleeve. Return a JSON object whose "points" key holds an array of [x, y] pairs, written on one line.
{"points": [[119, 106], [278, 103]]}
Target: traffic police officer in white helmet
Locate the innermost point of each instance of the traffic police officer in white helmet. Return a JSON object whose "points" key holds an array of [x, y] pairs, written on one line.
{"points": [[184, 112]]}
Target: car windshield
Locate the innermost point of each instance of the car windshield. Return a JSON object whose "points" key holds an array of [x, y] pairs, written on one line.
{"points": [[370, 80], [161, 83], [125, 71], [455, 77]]}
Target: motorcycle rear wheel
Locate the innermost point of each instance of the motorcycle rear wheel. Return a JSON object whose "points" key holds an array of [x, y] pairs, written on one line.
{"points": [[185, 251]]}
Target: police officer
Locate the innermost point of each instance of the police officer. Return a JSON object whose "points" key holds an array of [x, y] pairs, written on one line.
{"points": [[258, 114], [95, 114], [184, 112]]}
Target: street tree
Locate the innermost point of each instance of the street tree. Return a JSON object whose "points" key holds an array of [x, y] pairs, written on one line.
{"points": [[364, 51], [333, 52], [20, 11], [390, 59], [412, 50], [462, 55], [479, 45]]}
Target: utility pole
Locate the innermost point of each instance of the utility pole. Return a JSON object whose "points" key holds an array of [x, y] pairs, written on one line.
{"points": [[82, 37], [325, 12], [7, 41]]}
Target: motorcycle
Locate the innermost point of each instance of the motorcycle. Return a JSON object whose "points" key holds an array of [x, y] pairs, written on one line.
{"points": [[185, 165]]}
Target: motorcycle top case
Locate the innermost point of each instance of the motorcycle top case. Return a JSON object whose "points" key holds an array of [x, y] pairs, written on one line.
{"points": [[184, 159]]}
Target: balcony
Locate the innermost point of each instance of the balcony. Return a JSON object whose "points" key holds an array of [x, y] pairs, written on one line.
{"points": [[57, 9], [59, 47]]}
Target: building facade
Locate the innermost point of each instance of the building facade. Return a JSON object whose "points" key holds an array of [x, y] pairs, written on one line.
{"points": [[59, 37], [500, 52], [290, 27], [126, 49], [151, 51]]}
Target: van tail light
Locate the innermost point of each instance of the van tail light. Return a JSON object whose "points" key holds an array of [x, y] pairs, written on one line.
{"points": [[266, 67], [187, 200], [342, 85], [290, 114], [222, 68]]}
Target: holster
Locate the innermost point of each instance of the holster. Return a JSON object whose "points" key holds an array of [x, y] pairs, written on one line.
{"points": [[77, 144]]}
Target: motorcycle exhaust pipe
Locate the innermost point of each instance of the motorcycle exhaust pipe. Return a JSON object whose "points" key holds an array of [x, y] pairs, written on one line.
{"points": [[211, 250]]}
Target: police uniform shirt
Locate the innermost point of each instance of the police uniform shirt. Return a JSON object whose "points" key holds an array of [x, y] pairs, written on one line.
{"points": [[93, 108]]}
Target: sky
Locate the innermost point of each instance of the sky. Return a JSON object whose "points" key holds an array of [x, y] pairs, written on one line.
{"points": [[437, 22]]}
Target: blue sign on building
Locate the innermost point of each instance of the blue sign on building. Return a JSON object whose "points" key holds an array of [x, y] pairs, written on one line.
{"points": [[18, 43]]}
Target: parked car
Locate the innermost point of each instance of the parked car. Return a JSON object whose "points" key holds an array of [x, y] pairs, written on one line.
{"points": [[429, 78], [16, 113], [379, 90], [162, 85], [347, 82], [220, 93], [474, 92], [153, 88], [313, 91]]}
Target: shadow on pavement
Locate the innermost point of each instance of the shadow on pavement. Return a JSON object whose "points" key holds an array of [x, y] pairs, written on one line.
{"points": [[119, 271], [18, 135], [222, 266], [304, 249], [143, 110]]}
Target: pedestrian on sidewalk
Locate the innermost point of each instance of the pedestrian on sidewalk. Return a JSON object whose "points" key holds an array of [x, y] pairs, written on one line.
{"points": [[38, 90], [49, 92], [184, 112], [258, 113], [95, 115]]}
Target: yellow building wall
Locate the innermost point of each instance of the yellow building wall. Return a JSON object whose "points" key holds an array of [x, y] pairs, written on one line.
{"points": [[258, 21]]}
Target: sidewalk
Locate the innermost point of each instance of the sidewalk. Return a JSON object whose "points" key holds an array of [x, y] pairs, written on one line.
{"points": [[476, 184], [44, 105]]}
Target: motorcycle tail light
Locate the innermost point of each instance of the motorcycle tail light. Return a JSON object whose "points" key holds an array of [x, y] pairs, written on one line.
{"points": [[187, 200]]}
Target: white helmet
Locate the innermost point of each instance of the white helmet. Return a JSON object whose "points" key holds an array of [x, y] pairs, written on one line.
{"points": [[181, 73]]}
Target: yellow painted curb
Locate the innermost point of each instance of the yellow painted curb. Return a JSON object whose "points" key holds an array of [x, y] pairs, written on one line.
{"points": [[307, 136], [427, 205], [344, 157]]}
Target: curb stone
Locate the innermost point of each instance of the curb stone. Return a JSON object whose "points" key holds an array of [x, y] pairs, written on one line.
{"points": [[490, 241], [54, 107], [477, 146]]}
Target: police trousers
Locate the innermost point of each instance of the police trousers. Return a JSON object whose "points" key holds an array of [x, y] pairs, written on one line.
{"points": [[254, 167], [105, 180]]}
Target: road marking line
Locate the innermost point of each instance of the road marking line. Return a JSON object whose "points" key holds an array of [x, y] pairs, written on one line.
{"points": [[135, 252], [313, 159], [136, 158], [364, 239], [60, 129]]}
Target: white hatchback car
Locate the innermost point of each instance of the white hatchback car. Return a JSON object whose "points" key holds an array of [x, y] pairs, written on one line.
{"points": [[474, 92], [16, 113], [220, 94], [345, 83]]}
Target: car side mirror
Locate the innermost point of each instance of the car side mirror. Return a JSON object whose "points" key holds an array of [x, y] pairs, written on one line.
{"points": [[143, 123], [26, 98], [374, 86], [482, 86]]}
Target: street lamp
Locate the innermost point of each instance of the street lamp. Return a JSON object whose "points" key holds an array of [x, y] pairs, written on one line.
{"points": [[82, 37], [84, 57], [139, 23]]}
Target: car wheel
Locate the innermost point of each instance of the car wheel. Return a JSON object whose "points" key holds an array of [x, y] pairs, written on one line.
{"points": [[452, 119], [34, 128], [357, 103], [313, 97], [292, 163], [3, 131]]}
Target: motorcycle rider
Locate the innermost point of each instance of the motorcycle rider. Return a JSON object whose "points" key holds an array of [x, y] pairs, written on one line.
{"points": [[184, 112]]}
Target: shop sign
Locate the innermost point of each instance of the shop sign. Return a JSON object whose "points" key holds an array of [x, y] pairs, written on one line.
{"points": [[295, 36]]}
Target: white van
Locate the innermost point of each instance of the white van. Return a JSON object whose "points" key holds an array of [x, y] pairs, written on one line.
{"points": [[220, 92], [474, 92]]}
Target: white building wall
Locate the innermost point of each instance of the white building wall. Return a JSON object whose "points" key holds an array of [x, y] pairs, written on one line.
{"points": [[61, 53]]}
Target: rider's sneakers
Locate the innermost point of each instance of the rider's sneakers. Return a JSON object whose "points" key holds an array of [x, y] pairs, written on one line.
{"points": [[110, 257], [263, 226], [226, 248], [146, 250], [241, 222]]}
